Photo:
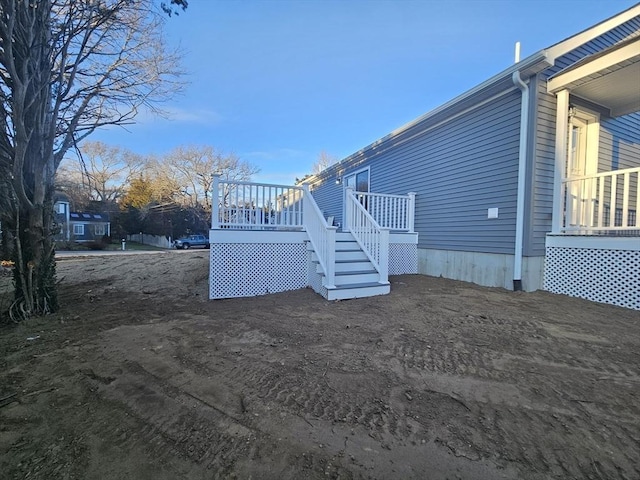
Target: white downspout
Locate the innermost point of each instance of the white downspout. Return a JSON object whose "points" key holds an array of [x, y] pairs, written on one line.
{"points": [[522, 172]]}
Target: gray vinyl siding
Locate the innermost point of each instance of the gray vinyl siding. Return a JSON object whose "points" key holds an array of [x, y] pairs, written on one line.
{"points": [[619, 148], [619, 145], [458, 169], [543, 169], [328, 195]]}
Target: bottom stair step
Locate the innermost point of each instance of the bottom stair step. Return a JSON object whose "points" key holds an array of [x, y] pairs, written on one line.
{"points": [[358, 290]]}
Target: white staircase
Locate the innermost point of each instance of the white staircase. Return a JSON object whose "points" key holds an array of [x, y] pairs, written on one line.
{"points": [[355, 275]]}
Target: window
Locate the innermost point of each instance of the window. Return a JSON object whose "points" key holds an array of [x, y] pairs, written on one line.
{"points": [[362, 181], [78, 229], [358, 180], [98, 230]]}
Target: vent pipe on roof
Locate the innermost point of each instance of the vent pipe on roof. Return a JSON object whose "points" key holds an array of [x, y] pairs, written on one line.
{"points": [[517, 52]]}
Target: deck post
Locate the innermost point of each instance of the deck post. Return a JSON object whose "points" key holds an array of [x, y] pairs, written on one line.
{"points": [[411, 211], [330, 277], [347, 210], [215, 202], [384, 255]]}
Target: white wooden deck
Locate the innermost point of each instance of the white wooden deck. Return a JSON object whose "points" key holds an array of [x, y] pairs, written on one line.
{"points": [[273, 238]]}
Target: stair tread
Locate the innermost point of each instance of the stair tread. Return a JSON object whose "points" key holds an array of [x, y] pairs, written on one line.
{"points": [[352, 261], [355, 272], [361, 285]]}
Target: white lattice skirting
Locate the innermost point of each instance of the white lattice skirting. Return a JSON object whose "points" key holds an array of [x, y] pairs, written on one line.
{"points": [[314, 279], [251, 263], [251, 269], [600, 275], [403, 258]]}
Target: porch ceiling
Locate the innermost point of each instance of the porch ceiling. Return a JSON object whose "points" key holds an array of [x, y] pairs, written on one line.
{"points": [[610, 78]]}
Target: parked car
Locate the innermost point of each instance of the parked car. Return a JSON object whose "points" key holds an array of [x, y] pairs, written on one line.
{"points": [[191, 241]]}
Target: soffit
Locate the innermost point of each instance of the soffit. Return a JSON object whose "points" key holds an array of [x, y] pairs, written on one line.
{"points": [[610, 78]]}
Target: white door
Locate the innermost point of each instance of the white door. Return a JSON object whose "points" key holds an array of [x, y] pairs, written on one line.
{"points": [[359, 181], [582, 160]]}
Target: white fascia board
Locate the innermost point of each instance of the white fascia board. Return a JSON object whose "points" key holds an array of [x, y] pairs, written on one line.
{"points": [[589, 34], [561, 80]]}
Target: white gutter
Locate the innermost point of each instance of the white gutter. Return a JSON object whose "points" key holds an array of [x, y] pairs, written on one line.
{"points": [[522, 172]]}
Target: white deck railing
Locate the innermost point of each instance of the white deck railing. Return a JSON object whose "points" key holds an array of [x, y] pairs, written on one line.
{"points": [[372, 238], [322, 237], [395, 212], [602, 202], [250, 205]]}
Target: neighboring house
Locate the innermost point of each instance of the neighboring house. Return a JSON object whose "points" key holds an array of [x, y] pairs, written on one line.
{"points": [[528, 181], [80, 226]]}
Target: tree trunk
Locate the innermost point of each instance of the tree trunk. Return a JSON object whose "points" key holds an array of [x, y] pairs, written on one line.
{"points": [[34, 254], [35, 269]]}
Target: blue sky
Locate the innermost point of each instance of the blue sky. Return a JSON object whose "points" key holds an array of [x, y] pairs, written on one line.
{"points": [[276, 82]]}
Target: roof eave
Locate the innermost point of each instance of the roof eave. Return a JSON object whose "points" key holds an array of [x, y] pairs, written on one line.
{"points": [[573, 42]]}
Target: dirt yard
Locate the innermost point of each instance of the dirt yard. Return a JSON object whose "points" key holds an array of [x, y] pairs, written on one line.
{"points": [[139, 376]]}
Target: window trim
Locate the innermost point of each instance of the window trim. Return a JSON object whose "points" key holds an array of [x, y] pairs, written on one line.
{"points": [[591, 123], [355, 173]]}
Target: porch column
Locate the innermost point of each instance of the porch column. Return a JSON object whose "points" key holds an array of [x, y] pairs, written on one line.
{"points": [[562, 125]]}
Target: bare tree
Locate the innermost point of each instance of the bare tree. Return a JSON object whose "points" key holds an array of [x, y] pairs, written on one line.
{"points": [[99, 173], [67, 67], [324, 160], [193, 167]]}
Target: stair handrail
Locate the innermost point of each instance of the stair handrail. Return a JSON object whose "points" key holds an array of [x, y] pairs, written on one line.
{"points": [[372, 238], [321, 235]]}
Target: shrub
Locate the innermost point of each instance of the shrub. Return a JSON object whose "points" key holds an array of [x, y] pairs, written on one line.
{"points": [[95, 245]]}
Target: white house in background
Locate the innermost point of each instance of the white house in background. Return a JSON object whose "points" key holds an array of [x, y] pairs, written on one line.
{"points": [[529, 181]]}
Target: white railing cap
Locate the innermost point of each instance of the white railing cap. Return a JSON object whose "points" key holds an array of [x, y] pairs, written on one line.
{"points": [[258, 184], [602, 174]]}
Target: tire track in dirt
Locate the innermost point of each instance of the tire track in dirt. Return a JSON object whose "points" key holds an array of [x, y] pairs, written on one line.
{"points": [[510, 431], [314, 397], [510, 435], [306, 390], [517, 429], [447, 359], [174, 422]]}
